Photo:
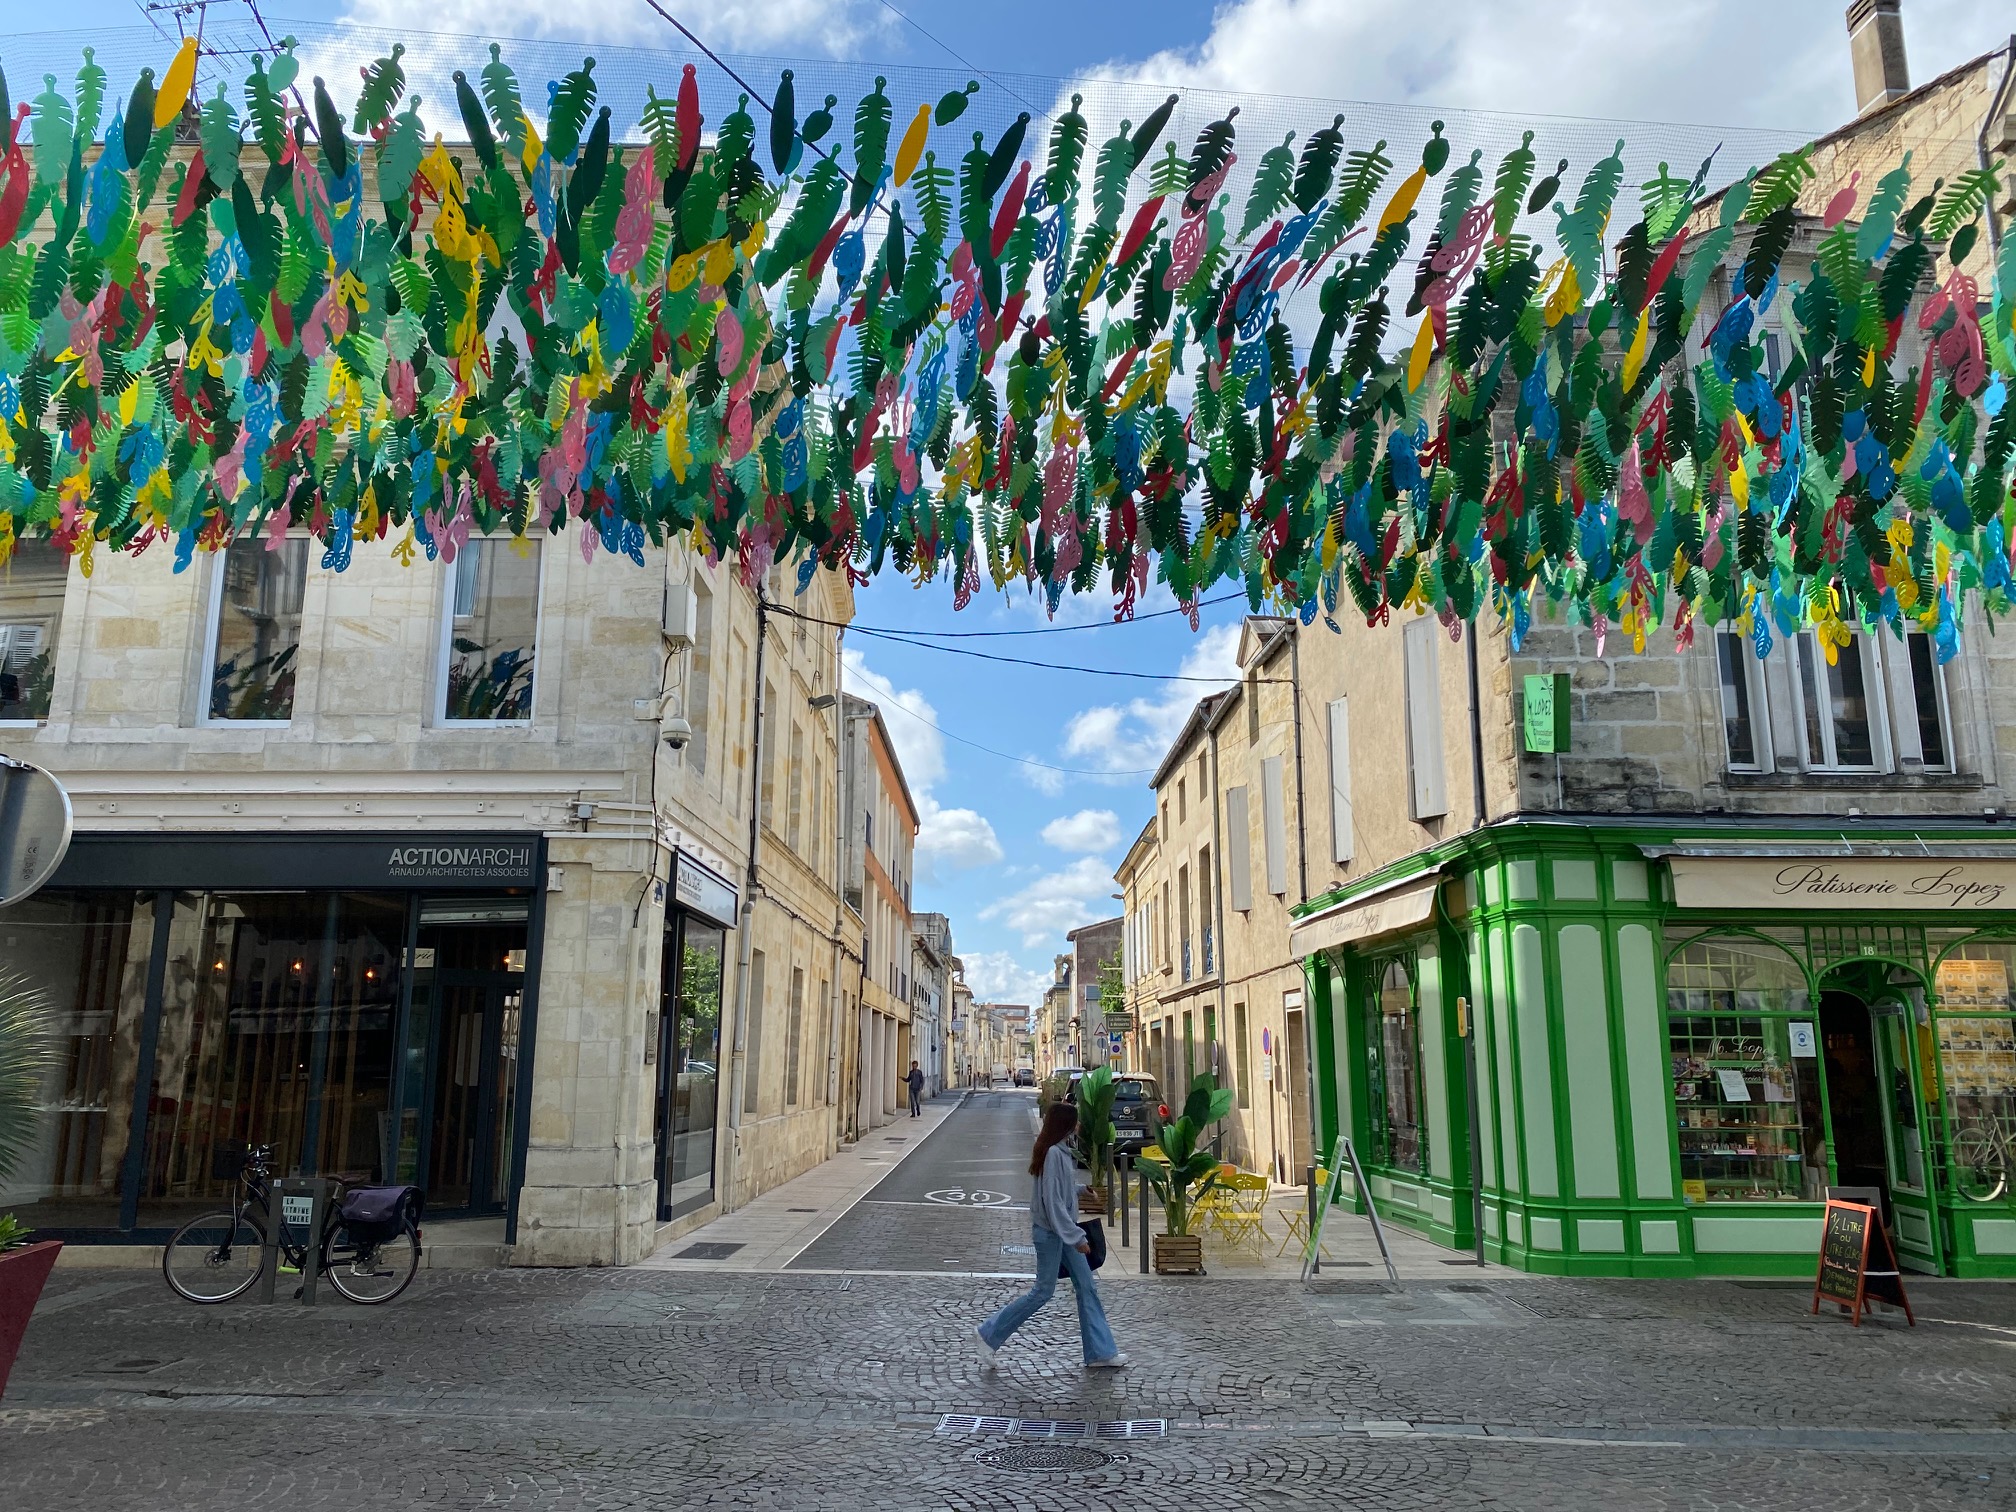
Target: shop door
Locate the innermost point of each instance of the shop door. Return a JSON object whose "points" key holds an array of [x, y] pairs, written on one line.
{"points": [[689, 1053], [1903, 1058], [475, 1091], [1874, 1117]]}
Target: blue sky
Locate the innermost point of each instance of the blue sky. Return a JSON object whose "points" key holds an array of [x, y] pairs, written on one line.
{"points": [[1015, 853]]}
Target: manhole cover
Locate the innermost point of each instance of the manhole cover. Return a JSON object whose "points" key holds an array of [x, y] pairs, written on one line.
{"points": [[707, 1251], [1045, 1458]]}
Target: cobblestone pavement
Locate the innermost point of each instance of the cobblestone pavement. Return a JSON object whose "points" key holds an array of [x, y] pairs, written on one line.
{"points": [[616, 1389]]}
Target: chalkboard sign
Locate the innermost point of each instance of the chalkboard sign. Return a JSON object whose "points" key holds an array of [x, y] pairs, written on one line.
{"points": [[1857, 1262]]}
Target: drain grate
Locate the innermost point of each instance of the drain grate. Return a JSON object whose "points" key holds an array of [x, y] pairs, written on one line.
{"points": [[707, 1251], [973, 1425], [801, 1210], [134, 1366], [1041, 1459]]}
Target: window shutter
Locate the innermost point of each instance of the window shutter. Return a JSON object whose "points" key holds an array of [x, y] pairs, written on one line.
{"points": [[1427, 791], [1274, 817], [1340, 781], [1239, 846]]}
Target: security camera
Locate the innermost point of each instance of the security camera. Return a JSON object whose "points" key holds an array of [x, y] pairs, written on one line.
{"points": [[678, 733]]}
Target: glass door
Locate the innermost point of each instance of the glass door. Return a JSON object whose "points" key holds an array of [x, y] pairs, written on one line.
{"points": [[689, 1020], [468, 993], [1909, 1088]]}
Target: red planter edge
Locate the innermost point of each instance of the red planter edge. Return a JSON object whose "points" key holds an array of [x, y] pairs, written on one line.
{"points": [[23, 1273]]}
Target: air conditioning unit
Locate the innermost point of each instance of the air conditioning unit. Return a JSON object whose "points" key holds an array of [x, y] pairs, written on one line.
{"points": [[682, 616]]}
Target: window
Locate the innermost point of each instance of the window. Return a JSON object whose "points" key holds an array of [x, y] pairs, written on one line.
{"points": [[773, 730], [1182, 801], [815, 850], [1841, 707], [752, 1072], [1239, 847], [1183, 915], [794, 1035], [1204, 914], [491, 633], [1742, 1032], [1745, 730], [1394, 1065], [255, 630], [31, 614], [1427, 790], [1252, 711], [1929, 712], [1977, 1060], [1341, 828], [1203, 779], [1274, 825], [1242, 1056], [1165, 818]]}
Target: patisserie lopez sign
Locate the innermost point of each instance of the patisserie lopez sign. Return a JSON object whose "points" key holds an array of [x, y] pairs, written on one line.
{"points": [[1935, 883]]}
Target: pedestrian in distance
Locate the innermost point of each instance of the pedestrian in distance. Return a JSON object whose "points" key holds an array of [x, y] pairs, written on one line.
{"points": [[915, 1081], [1060, 1243]]}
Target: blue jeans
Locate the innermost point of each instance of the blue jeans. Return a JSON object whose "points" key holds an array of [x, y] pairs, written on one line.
{"points": [[1093, 1332]]}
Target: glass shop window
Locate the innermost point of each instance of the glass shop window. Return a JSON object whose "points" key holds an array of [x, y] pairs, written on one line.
{"points": [[1743, 1035], [32, 580], [489, 640], [1393, 1044], [1977, 1065], [1842, 705], [255, 631], [1745, 730], [87, 953]]}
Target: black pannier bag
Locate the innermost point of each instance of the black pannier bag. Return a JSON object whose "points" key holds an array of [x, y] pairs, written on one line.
{"points": [[376, 1214]]}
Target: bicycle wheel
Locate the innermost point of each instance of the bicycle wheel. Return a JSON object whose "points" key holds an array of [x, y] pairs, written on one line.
{"points": [[368, 1272], [213, 1258], [1980, 1165]]}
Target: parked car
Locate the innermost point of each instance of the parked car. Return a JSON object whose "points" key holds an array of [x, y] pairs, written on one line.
{"points": [[1062, 1082], [1137, 1103]]}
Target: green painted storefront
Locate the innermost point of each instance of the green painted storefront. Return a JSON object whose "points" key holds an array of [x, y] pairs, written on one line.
{"points": [[1681, 1037]]}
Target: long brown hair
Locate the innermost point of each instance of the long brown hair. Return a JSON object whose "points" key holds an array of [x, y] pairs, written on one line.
{"points": [[1059, 1124]]}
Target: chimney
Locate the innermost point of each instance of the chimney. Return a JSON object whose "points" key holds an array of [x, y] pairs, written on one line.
{"points": [[1876, 47]]}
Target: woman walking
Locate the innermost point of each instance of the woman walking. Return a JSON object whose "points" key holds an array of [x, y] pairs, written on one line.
{"points": [[1053, 1217]]}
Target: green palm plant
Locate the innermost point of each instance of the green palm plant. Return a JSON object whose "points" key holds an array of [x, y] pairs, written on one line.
{"points": [[1189, 1170], [1096, 1091], [26, 1053]]}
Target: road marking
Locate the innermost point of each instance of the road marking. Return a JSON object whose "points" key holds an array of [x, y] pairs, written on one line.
{"points": [[960, 1197]]}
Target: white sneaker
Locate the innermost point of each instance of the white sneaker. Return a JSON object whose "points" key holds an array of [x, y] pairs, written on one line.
{"points": [[989, 1355], [1111, 1362]]}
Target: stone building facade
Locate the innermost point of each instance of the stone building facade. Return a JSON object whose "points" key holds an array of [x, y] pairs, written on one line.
{"points": [[536, 1006], [881, 852]]}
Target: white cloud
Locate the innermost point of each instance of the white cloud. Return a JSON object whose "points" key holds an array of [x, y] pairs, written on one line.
{"points": [[833, 27], [948, 839], [1087, 830], [1724, 61], [955, 839], [1057, 901], [1137, 734], [997, 977]]}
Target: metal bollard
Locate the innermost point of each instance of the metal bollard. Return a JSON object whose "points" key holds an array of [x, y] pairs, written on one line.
{"points": [[1144, 1225], [1126, 1213]]}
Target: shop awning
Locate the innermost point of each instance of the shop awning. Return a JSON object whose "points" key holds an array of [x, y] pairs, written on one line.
{"points": [[1404, 905]]}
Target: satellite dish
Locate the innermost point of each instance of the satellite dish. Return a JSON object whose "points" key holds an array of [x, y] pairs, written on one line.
{"points": [[34, 828]]}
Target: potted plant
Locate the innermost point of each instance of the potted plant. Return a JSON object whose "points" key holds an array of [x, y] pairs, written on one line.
{"points": [[1187, 1171], [1096, 1134], [25, 1056]]}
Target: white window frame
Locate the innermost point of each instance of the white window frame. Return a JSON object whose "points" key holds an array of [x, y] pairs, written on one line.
{"points": [[444, 638], [1874, 680], [212, 624], [1764, 754], [1909, 744]]}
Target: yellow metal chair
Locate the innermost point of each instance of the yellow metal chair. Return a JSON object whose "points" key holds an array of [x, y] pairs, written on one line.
{"points": [[1209, 1211], [1242, 1214], [1296, 1219]]}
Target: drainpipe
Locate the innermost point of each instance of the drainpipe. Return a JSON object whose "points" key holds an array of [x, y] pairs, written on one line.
{"points": [[1477, 813], [739, 1065]]}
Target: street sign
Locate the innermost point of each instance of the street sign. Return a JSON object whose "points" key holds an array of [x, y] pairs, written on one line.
{"points": [[34, 828]]}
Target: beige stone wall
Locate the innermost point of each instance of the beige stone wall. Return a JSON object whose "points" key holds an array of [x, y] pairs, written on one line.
{"points": [[365, 750]]}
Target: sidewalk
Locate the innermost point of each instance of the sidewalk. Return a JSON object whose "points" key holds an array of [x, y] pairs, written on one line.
{"points": [[773, 1228]]}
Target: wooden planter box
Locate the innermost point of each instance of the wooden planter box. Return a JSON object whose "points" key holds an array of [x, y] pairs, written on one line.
{"points": [[1179, 1255], [22, 1274], [1092, 1203]]}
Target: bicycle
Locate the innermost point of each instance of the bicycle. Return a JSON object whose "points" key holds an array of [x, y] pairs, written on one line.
{"points": [[1982, 1156], [221, 1255]]}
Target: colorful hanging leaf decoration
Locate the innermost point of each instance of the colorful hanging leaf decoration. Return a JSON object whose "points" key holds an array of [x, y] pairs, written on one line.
{"points": [[970, 369]]}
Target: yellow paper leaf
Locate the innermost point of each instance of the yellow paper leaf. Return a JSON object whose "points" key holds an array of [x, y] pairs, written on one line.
{"points": [[1422, 355], [1398, 207], [913, 145], [176, 84]]}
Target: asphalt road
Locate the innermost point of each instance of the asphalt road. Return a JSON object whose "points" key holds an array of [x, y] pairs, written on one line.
{"points": [[958, 1202]]}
